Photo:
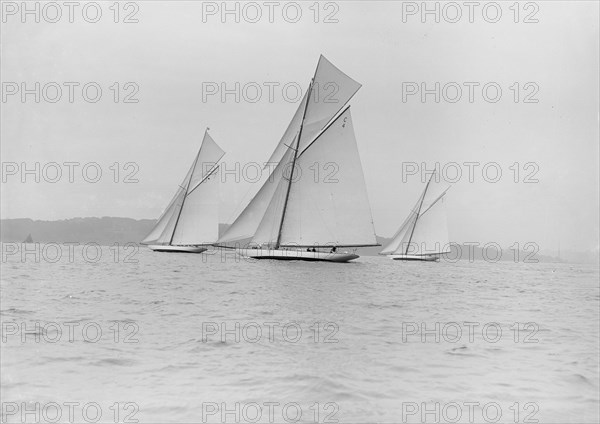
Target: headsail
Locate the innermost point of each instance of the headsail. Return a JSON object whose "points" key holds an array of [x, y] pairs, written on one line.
{"points": [[425, 231], [247, 223], [163, 229], [192, 216]]}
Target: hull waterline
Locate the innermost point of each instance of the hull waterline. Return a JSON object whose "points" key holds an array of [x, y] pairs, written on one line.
{"points": [[424, 258], [177, 249], [296, 255]]}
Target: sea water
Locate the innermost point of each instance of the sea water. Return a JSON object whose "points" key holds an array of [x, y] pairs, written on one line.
{"points": [[140, 336]]}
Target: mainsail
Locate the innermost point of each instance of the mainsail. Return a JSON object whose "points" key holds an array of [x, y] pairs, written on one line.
{"points": [[424, 231], [191, 218], [316, 194]]}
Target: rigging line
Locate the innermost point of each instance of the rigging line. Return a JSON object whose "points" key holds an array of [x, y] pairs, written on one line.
{"points": [[417, 218], [435, 201], [185, 194], [207, 176], [325, 128], [239, 210], [287, 195], [336, 114]]}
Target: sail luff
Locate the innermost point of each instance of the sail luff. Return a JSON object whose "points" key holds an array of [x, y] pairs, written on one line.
{"points": [[185, 194], [163, 220], [289, 187], [418, 212]]}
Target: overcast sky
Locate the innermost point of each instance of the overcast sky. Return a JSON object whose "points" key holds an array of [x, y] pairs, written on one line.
{"points": [[171, 54]]}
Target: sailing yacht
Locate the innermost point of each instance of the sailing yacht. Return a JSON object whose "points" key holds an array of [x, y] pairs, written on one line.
{"points": [[295, 216], [190, 222], [424, 234]]}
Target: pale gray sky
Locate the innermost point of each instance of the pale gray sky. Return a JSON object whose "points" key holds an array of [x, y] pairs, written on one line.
{"points": [[171, 52]]}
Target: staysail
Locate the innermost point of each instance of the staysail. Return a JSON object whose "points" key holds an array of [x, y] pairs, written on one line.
{"points": [[316, 194], [425, 230], [191, 218]]}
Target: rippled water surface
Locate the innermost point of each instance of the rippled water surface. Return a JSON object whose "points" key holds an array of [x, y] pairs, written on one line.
{"points": [[360, 357]]}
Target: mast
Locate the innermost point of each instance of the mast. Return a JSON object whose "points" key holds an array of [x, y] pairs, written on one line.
{"points": [[287, 194], [418, 213], [186, 192]]}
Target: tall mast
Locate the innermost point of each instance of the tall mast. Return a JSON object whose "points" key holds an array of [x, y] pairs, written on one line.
{"points": [[186, 191], [418, 212], [287, 194]]}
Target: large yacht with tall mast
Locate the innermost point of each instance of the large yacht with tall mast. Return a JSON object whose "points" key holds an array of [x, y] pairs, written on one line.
{"points": [[295, 216]]}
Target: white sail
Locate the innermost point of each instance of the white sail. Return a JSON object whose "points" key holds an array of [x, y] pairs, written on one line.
{"points": [[167, 234], [158, 233], [330, 91], [208, 156], [192, 215], [198, 221], [425, 230], [328, 203], [268, 229], [246, 224], [430, 235], [406, 227], [290, 134]]}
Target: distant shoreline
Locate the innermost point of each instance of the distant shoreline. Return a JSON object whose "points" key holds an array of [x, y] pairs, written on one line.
{"points": [[106, 231]]}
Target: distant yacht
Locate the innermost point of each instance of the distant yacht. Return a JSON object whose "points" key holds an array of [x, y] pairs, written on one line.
{"points": [[424, 234], [28, 239], [295, 216], [191, 222]]}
